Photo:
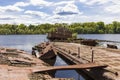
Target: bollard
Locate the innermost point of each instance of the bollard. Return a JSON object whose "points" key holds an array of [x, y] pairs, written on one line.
{"points": [[79, 52], [92, 55]]}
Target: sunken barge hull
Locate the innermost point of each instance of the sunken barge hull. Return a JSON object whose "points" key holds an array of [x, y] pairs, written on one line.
{"points": [[46, 52], [60, 33], [19, 65]]}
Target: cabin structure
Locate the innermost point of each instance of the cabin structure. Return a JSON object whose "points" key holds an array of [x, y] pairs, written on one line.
{"points": [[61, 33]]}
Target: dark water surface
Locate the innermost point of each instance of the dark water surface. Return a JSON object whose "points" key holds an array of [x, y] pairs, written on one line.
{"points": [[26, 42], [66, 73]]}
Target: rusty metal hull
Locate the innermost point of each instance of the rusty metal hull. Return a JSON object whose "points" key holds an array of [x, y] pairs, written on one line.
{"points": [[48, 55]]}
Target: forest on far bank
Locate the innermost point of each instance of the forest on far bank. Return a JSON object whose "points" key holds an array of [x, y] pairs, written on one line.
{"points": [[79, 28]]}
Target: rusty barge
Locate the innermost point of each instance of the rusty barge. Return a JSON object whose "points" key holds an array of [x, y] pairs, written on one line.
{"points": [[76, 54], [60, 33], [19, 65]]}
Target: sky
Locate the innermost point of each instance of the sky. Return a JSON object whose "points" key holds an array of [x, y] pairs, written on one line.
{"points": [[58, 11]]}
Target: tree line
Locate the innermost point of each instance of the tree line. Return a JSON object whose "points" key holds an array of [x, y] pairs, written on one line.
{"points": [[80, 28]]}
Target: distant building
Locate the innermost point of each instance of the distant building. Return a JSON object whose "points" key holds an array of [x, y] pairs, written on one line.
{"points": [[61, 33]]}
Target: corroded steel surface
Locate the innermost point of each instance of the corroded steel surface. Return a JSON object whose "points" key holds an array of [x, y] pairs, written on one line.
{"points": [[19, 65], [47, 50], [59, 34], [70, 67]]}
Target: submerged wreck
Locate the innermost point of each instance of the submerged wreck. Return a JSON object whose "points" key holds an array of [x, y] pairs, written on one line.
{"points": [[112, 46], [44, 51], [19, 65], [89, 42], [61, 33]]}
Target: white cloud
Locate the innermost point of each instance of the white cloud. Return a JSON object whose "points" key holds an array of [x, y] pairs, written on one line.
{"points": [[106, 19], [18, 19], [40, 3], [14, 8], [113, 9], [83, 1], [37, 13], [116, 2], [7, 17], [10, 8], [62, 3], [68, 9], [21, 4], [67, 18], [92, 2], [82, 18], [63, 11]]}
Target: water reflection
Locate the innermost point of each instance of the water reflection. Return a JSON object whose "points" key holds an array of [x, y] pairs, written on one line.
{"points": [[112, 37], [24, 42], [109, 37], [66, 73]]}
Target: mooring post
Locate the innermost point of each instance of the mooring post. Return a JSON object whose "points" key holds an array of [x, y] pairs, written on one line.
{"points": [[69, 52], [92, 55], [79, 52]]}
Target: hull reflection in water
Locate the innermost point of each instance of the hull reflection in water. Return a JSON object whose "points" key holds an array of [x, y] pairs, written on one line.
{"points": [[51, 62], [66, 73]]}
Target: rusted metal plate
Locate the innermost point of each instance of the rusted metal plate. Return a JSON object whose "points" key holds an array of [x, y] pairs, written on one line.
{"points": [[70, 67], [19, 66]]}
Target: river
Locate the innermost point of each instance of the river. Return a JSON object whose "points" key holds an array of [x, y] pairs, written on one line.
{"points": [[26, 42], [109, 37]]}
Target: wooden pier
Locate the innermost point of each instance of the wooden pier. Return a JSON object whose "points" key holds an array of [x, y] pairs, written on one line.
{"points": [[82, 54]]}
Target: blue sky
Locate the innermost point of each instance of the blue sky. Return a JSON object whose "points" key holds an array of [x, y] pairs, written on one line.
{"points": [[58, 11]]}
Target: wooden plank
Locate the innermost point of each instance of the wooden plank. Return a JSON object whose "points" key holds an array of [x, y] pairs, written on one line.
{"points": [[70, 67]]}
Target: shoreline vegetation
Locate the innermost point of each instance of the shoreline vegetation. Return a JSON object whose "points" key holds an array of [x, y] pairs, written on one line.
{"points": [[79, 28]]}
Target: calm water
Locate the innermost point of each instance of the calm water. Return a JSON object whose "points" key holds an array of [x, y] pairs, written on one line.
{"points": [[110, 37], [26, 42], [66, 73]]}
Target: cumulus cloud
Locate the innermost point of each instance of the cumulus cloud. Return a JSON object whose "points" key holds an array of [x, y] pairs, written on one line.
{"points": [[92, 2], [60, 11], [7, 17], [10, 8], [21, 4], [40, 3], [114, 9], [67, 19], [68, 9], [62, 3], [37, 13]]}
